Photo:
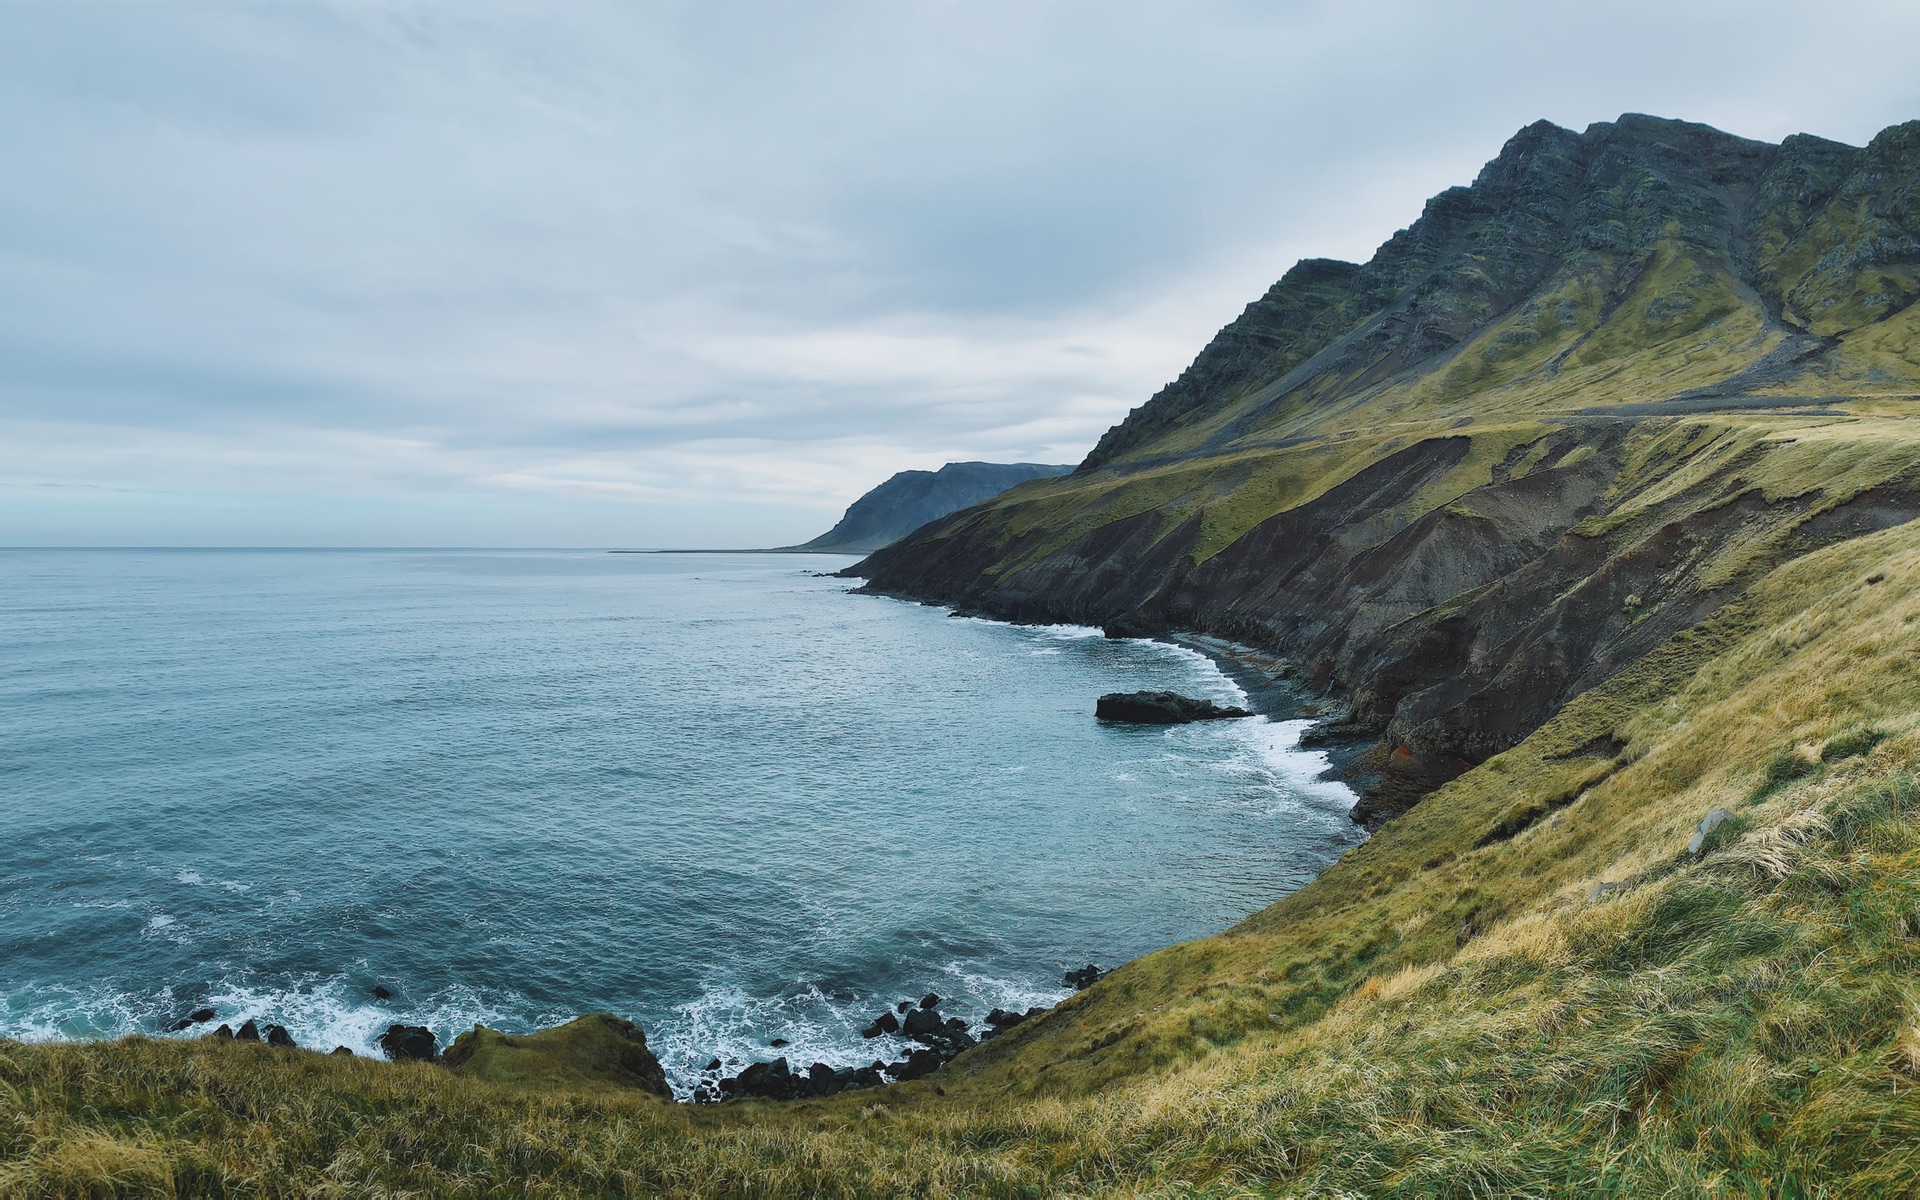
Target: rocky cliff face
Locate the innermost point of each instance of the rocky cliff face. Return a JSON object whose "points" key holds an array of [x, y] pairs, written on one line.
{"points": [[912, 498], [1570, 412]]}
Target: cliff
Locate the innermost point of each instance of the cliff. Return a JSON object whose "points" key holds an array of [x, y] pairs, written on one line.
{"points": [[1568, 413]]}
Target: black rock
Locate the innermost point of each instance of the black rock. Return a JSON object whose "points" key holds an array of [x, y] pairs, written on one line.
{"points": [[1128, 625], [820, 1075], [918, 1065], [1160, 708], [1000, 1018], [196, 1017], [380, 993], [1084, 978], [921, 1022], [903, 1006], [930, 1000], [247, 1033], [779, 1042], [414, 1043], [774, 1080], [713, 1066], [342, 1052], [886, 1022], [224, 1033], [277, 1035]]}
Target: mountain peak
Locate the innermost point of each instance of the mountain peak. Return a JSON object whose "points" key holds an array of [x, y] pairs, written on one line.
{"points": [[1687, 256]]}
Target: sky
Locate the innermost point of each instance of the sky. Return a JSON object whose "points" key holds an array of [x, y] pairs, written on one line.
{"points": [[583, 273]]}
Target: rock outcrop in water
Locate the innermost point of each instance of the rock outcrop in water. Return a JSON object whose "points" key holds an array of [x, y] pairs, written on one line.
{"points": [[1161, 708]]}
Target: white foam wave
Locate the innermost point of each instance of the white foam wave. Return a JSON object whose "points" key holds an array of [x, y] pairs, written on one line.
{"points": [[728, 1024]]}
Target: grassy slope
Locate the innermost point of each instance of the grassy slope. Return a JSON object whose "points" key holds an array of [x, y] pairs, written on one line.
{"points": [[1748, 1023]]}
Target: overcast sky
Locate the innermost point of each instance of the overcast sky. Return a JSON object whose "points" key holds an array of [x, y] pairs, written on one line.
{"points": [[482, 272]]}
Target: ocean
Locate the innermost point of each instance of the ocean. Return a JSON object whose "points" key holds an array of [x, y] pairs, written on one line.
{"points": [[715, 794]]}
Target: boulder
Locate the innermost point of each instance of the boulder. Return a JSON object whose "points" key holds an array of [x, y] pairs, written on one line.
{"points": [[918, 1065], [776, 1043], [277, 1035], [1161, 708], [403, 1043], [921, 1022], [713, 1066], [196, 1017], [224, 1033], [380, 993], [597, 1049], [342, 1052], [1084, 978], [771, 1081], [930, 1000], [903, 1006], [249, 1032]]}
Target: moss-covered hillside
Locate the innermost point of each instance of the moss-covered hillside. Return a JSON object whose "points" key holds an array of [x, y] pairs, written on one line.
{"points": [[1586, 590]]}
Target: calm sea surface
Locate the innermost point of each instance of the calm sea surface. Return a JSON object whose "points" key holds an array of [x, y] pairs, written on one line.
{"points": [[716, 794]]}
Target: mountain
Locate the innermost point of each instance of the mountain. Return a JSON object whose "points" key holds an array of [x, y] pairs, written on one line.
{"points": [[912, 498], [1570, 412]]}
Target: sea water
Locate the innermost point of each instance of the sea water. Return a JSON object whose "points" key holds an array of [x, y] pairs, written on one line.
{"points": [[717, 794]]}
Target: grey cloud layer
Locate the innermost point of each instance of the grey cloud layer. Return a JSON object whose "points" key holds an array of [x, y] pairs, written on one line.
{"points": [[683, 273]]}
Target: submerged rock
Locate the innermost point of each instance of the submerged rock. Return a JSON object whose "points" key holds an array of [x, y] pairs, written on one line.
{"points": [[1161, 708], [380, 993], [409, 1043]]}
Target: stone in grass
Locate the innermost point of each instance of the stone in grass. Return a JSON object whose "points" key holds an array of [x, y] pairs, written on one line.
{"points": [[1704, 830]]}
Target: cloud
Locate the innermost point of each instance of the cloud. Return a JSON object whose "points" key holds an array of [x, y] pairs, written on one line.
{"points": [[691, 273]]}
